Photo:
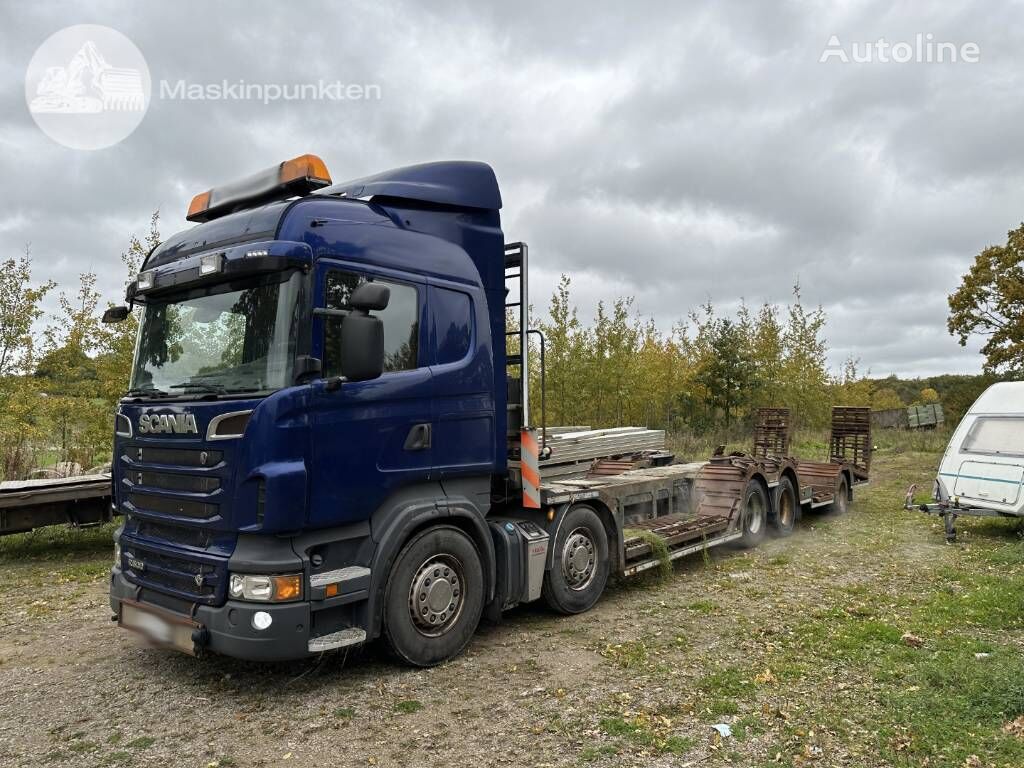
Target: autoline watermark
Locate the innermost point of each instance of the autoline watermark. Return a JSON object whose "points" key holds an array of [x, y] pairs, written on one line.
{"points": [[267, 93], [923, 49]]}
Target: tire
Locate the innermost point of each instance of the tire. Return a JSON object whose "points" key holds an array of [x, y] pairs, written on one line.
{"points": [[755, 514], [841, 504], [580, 564], [786, 513], [437, 575]]}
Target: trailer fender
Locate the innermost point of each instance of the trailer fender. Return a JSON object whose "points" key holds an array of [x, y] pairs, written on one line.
{"points": [[612, 529], [395, 523]]}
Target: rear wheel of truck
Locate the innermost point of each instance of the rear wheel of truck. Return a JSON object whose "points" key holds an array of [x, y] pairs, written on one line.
{"points": [[787, 508], [580, 565], [755, 514], [434, 597]]}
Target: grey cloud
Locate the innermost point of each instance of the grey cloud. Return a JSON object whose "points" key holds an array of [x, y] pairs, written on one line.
{"points": [[674, 152]]}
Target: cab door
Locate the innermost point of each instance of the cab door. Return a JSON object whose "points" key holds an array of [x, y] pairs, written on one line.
{"points": [[370, 438]]}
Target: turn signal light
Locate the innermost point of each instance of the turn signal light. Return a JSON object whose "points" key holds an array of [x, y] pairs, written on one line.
{"points": [[288, 587]]}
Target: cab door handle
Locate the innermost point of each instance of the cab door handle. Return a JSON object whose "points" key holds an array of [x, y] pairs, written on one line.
{"points": [[418, 438]]}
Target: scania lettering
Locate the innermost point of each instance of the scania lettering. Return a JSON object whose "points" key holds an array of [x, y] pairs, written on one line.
{"points": [[328, 437], [162, 423]]}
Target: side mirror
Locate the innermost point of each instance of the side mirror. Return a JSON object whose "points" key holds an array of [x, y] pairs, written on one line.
{"points": [[307, 368], [362, 346], [115, 314], [370, 297]]}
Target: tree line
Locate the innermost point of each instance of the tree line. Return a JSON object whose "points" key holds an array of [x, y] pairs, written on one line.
{"points": [[59, 388], [708, 372]]}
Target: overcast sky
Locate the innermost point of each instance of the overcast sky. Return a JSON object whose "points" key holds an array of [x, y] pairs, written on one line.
{"points": [[676, 154]]}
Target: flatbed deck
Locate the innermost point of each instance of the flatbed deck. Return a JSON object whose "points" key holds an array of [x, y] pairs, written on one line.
{"points": [[696, 505], [29, 504]]}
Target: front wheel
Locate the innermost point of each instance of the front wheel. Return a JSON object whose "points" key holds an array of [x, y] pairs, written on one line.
{"points": [[434, 597], [579, 567], [755, 514]]}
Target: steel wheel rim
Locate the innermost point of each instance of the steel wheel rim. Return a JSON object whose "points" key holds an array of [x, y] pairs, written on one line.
{"points": [[436, 595], [579, 559], [755, 513]]}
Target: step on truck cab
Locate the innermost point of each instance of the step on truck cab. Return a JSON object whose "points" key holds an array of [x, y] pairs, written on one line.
{"points": [[326, 438]]}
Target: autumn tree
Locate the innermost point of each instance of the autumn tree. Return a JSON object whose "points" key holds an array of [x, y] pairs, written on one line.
{"points": [[22, 417], [990, 303]]}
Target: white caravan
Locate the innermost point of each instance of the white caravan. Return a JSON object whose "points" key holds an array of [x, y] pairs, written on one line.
{"points": [[982, 470]]}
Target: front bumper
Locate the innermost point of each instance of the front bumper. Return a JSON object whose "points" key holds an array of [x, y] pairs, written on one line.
{"points": [[228, 629]]}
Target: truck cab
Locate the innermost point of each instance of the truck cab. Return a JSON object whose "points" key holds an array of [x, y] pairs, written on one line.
{"points": [[316, 397]]}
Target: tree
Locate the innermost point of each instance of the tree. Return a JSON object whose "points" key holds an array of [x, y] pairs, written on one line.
{"points": [[884, 399], [806, 389], [990, 302], [22, 416], [19, 310], [929, 395]]}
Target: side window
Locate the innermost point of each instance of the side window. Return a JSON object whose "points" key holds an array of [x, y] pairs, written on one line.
{"points": [[1001, 435], [400, 318], [453, 324]]}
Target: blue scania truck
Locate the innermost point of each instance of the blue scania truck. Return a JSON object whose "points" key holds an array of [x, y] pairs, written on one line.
{"points": [[327, 438]]}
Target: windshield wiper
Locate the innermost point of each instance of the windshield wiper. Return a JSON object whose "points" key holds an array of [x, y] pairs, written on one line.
{"points": [[201, 386], [146, 391]]}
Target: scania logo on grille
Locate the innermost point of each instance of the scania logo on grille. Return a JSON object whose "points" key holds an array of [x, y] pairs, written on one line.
{"points": [[199, 579], [165, 423]]}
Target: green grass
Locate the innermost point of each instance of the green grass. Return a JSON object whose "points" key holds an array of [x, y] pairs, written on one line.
{"points": [[408, 706], [644, 731]]}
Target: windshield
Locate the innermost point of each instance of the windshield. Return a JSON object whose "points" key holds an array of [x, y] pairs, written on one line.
{"points": [[224, 340]]}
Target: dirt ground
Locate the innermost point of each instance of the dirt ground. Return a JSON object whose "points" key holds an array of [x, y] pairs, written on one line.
{"points": [[796, 646]]}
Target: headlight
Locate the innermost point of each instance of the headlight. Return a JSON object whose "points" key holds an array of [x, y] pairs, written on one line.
{"points": [[266, 589], [117, 555]]}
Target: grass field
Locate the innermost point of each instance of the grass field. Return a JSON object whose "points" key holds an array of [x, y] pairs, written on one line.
{"points": [[863, 640]]}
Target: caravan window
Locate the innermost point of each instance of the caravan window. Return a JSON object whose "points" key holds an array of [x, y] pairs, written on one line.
{"points": [[1002, 435]]}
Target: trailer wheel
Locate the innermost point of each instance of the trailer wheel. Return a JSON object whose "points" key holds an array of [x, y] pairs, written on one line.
{"points": [[786, 514], [841, 502], [434, 597], [755, 514], [580, 566]]}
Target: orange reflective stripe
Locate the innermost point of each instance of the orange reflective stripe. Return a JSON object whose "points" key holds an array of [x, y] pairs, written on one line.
{"points": [[530, 476]]}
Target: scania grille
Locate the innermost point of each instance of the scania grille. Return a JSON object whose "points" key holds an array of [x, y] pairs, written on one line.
{"points": [[175, 534], [165, 505], [192, 580], [169, 482], [183, 457]]}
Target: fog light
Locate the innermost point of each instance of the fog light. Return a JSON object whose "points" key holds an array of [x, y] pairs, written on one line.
{"points": [[261, 620], [209, 264]]}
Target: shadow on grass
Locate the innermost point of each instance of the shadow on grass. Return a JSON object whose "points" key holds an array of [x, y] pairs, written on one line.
{"points": [[58, 542]]}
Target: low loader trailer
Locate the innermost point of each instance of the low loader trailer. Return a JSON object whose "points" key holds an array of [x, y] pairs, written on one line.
{"points": [[328, 438]]}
